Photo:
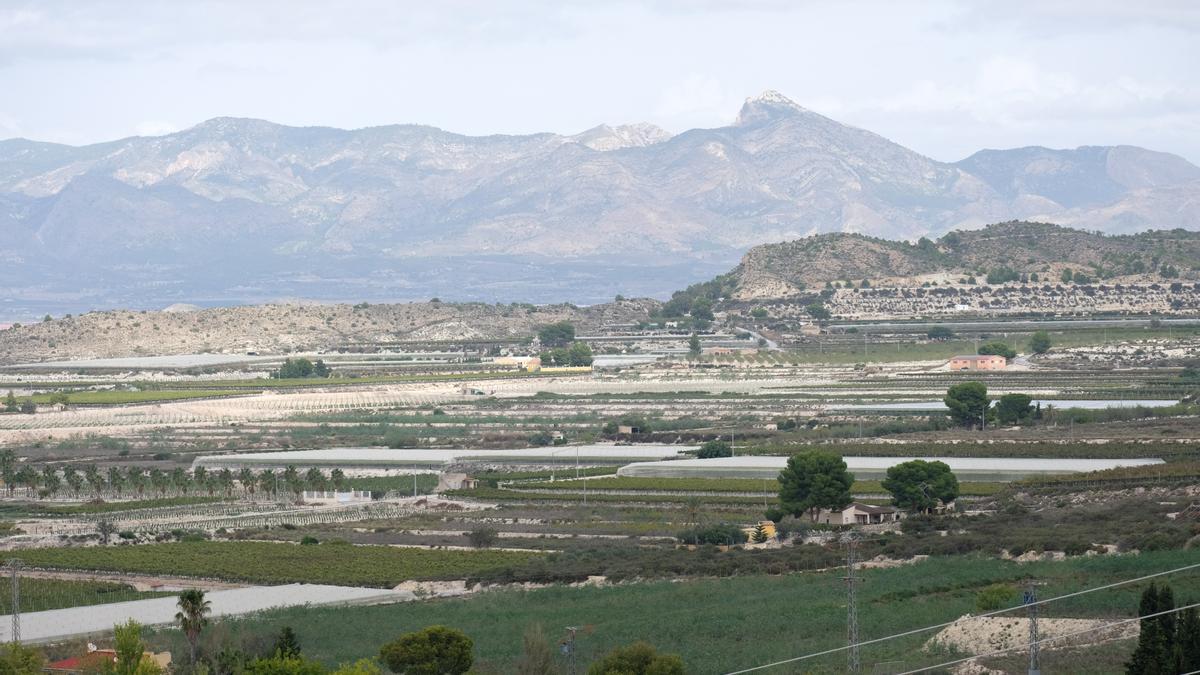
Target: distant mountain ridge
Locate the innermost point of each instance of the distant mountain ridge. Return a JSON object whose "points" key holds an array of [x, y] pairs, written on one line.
{"points": [[241, 210]]}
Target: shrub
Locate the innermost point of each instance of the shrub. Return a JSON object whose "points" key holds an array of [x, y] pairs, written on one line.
{"points": [[994, 597], [719, 534], [717, 448], [309, 541], [483, 537], [436, 650], [639, 658]]}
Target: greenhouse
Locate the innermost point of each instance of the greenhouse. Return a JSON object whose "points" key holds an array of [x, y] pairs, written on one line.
{"points": [[424, 459], [869, 468]]}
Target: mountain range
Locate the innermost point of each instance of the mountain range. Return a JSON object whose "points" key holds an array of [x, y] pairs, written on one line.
{"points": [[241, 210]]}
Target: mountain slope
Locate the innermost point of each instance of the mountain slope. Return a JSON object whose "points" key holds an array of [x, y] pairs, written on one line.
{"points": [[238, 210]]}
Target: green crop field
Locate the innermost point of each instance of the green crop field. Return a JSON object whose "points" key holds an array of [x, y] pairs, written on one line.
{"points": [[261, 562], [725, 624], [39, 594]]}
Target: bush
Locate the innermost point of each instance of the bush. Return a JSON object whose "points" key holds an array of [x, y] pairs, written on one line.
{"points": [[639, 658], [483, 537], [940, 333], [1039, 342], [994, 597], [541, 438], [436, 650], [309, 541], [719, 534], [717, 448]]}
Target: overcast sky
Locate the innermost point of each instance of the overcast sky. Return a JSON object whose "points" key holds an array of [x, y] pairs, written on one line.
{"points": [[944, 78]]}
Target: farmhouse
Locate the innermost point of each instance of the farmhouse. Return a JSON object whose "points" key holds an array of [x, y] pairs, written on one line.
{"points": [[527, 363], [859, 514], [455, 481], [978, 362]]}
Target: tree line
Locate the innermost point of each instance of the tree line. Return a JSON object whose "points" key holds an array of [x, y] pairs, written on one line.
{"points": [[50, 481]]}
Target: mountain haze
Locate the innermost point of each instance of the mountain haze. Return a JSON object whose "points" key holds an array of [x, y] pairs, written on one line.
{"points": [[241, 210]]}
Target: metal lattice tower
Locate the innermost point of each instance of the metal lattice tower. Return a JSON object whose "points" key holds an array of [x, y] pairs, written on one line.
{"points": [[1030, 601], [14, 566], [853, 664], [569, 649]]}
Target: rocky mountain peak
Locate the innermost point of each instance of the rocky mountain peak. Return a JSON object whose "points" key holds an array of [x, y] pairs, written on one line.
{"points": [[638, 135], [765, 106]]}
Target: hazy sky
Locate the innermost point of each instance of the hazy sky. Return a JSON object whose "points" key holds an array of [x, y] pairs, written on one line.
{"points": [[944, 78]]}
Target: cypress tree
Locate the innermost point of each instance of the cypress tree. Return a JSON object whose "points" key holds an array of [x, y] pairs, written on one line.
{"points": [[1188, 640], [1152, 655]]}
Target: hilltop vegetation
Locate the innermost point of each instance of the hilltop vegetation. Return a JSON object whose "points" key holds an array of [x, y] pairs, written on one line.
{"points": [[996, 254]]}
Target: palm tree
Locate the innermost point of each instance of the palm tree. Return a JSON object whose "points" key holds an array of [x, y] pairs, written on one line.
{"points": [[267, 481], [136, 476], [9, 474], [94, 479], [179, 479], [191, 616], [50, 480], [160, 480], [315, 479], [28, 476], [227, 481], [246, 479], [73, 480]]}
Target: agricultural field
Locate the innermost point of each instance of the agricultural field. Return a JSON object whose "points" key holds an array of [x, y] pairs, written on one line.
{"points": [[111, 485], [718, 625], [276, 563], [41, 594]]}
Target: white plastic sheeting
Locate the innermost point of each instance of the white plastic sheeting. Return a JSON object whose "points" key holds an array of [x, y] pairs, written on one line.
{"points": [[965, 468], [57, 624], [420, 458]]}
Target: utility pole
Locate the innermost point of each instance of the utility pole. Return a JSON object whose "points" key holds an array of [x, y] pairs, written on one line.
{"points": [[1030, 601], [14, 566], [853, 664], [568, 649]]}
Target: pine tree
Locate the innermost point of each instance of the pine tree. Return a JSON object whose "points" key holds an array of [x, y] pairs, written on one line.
{"points": [[286, 645]]}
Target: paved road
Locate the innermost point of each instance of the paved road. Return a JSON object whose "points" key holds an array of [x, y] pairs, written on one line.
{"points": [[771, 344], [58, 624]]}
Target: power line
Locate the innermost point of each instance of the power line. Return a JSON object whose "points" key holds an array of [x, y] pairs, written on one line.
{"points": [[1051, 639], [917, 631]]}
